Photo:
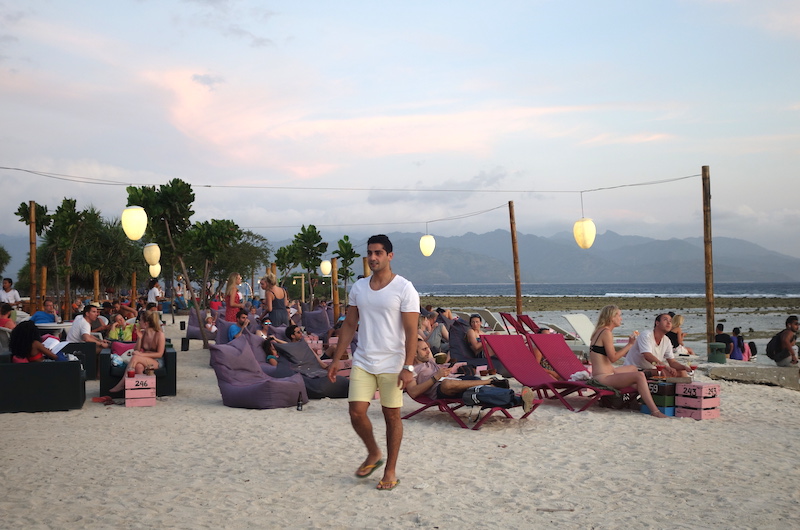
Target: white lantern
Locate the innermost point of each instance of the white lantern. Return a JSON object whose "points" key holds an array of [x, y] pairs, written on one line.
{"points": [[155, 270], [152, 253], [325, 267], [584, 232], [134, 222], [427, 244]]}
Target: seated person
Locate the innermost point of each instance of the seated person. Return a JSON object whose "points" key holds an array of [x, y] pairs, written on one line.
{"points": [[785, 352], [149, 351], [676, 337], [474, 335], [269, 349], [5, 317], [603, 354], [435, 333], [540, 358], [101, 326], [120, 329], [81, 330], [46, 316], [127, 312], [653, 348], [10, 296], [210, 326], [238, 327], [26, 345], [435, 381]]}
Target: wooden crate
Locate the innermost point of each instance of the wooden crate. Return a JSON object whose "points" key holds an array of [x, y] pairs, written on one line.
{"points": [[664, 401], [697, 414], [697, 390], [667, 411], [697, 402], [661, 388], [140, 391]]}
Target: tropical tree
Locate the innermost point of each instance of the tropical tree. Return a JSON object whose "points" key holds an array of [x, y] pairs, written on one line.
{"points": [[285, 260], [249, 254], [347, 256], [43, 219], [310, 248], [210, 240], [169, 208], [5, 257]]}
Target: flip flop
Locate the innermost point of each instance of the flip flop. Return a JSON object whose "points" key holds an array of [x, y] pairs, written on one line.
{"points": [[106, 400], [369, 468], [388, 485]]}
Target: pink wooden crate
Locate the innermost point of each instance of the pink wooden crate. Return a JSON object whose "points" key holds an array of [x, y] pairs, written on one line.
{"points": [[697, 414], [136, 393], [697, 403], [140, 381], [140, 402], [696, 390]]}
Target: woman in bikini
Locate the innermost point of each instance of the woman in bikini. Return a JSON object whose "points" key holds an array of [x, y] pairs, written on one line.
{"points": [[602, 354], [149, 351]]}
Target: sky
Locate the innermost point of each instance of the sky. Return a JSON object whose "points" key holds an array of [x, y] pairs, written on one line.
{"points": [[368, 117]]}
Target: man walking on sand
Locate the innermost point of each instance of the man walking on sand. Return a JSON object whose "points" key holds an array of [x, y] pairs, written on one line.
{"points": [[385, 307]]}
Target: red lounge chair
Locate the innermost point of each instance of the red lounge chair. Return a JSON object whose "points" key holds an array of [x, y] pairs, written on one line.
{"points": [[520, 362], [528, 321], [511, 322], [450, 405]]}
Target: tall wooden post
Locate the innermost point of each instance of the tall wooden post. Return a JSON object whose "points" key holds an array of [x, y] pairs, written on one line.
{"points": [[709, 261], [274, 268], [96, 285], [133, 291], [335, 287], [515, 255], [43, 284], [35, 305], [365, 262], [303, 288]]}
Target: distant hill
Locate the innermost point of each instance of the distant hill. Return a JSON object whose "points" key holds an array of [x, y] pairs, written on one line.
{"points": [[614, 258]]}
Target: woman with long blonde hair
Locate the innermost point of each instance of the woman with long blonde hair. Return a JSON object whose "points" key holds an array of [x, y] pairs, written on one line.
{"points": [[602, 355], [233, 298], [149, 351], [275, 302]]}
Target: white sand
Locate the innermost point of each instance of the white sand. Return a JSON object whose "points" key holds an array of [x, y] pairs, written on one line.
{"points": [[190, 462]]}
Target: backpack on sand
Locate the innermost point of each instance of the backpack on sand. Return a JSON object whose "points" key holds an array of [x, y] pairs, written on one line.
{"points": [[489, 396]]}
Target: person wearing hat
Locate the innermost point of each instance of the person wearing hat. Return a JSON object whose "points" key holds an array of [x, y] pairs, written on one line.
{"points": [[81, 330]]}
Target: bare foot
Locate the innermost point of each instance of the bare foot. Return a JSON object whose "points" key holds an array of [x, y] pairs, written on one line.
{"points": [[658, 414]]}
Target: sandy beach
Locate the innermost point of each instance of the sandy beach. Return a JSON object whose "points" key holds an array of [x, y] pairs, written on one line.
{"points": [[190, 462]]}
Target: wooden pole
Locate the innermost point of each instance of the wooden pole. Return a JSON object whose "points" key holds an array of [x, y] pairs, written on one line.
{"points": [[43, 284], [133, 291], [365, 262], [96, 285], [710, 327], [515, 255], [302, 287], [34, 305], [335, 287], [274, 268]]}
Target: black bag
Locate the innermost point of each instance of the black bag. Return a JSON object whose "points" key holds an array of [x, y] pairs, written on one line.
{"points": [[489, 396], [774, 348]]}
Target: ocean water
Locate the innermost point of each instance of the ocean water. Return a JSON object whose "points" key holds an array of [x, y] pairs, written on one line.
{"points": [[600, 290]]}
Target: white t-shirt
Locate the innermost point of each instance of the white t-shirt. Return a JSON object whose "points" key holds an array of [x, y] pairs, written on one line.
{"points": [[11, 297], [80, 327], [152, 295], [381, 338], [646, 342]]}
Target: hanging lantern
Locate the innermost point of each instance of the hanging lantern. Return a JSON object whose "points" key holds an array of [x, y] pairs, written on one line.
{"points": [[152, 253], [155, 270], [134, 222], [325, 267], [427, 244], [584, 232]]}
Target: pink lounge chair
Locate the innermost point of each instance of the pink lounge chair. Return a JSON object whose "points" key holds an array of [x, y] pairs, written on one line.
{"points": [[528, 321], [512, 323], [521, 363], [450, 405]]}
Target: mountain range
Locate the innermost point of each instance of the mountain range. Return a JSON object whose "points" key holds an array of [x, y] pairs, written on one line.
{"points": [[614, 258]]}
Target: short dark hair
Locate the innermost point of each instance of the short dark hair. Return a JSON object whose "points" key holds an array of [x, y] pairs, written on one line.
{"points": [[380, 239], [151, 305], [11, 282], [290, 329], [87, 308], [5, 308], [720, 327], [791, 319], [240, 313], [152, 283], [476, 315], [658, 317]]}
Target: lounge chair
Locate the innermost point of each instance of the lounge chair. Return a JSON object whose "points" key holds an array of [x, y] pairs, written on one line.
{"points": [[450, 405], [491, 321], [520, 362], [584, 329], [512, 323], [528, 321]]}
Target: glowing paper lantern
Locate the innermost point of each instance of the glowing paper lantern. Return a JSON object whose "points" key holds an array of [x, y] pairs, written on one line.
{"points": [[152, 253], [155, 270], [325, 267], [427, 244], [584, 232], [134, 222]]}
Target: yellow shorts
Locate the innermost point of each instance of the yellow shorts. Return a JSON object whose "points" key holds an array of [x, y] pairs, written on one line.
{"points": [[364, 384]]}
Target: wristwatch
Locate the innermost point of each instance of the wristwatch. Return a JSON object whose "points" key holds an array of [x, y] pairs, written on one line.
{"points": [[409, 367]]}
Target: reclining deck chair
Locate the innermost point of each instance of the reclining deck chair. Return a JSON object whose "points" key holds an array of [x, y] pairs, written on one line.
{"points": [[558, 353], [528, 321], [491, 321], [521, 363], [512, 323]]}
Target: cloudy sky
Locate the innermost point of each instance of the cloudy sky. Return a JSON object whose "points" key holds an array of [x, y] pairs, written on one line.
{"points": [[363, 117]]}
